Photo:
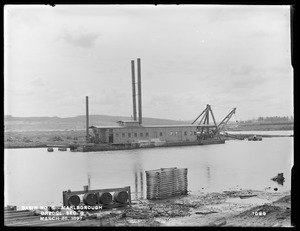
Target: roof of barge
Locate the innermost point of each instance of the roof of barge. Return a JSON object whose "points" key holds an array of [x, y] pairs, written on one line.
{"points": [[158, 126]]}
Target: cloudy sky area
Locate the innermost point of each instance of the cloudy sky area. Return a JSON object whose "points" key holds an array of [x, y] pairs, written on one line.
{"points": [[226, 56]]}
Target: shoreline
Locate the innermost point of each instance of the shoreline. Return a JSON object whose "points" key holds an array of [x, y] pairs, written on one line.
{"points": [[20, 146], [265, 208], [44, 139]]}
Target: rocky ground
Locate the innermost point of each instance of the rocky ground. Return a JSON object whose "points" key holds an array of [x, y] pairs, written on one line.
{"points": [[264, 209], [268, 208]]}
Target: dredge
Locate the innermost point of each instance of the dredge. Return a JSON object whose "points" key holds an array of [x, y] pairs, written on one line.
{"points": [[131, 134]]}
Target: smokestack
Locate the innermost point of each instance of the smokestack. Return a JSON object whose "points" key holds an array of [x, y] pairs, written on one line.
{"points": [[133, 90], [139, 89], [87, 119]]}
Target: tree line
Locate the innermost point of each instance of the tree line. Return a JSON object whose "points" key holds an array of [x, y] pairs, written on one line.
{"points": [[269, 119]]}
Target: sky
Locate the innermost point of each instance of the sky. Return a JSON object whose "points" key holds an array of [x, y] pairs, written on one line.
{"points": [[191, 55]]}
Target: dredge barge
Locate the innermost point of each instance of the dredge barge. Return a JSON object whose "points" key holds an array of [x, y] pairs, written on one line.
{"points": [[132, 134]]}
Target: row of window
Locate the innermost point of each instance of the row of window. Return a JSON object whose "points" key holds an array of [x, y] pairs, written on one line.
{"points": [[185, 133], [147, 134], [134, 134]]}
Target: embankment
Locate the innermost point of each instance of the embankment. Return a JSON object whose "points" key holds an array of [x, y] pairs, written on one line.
{"points": [[264, 209]]}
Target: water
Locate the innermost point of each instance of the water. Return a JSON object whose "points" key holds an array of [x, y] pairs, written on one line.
{"points": [[286, 133], [35, 177]]}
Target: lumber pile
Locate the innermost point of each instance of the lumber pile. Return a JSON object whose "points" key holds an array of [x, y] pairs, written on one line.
{"points": [[165, 182]]}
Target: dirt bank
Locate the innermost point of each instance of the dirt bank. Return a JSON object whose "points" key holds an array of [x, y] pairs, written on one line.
{"points": [[266, 209], [240, 208], [263, 209]]}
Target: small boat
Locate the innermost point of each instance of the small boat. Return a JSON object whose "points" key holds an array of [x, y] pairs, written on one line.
{"points": [[247, 196], [62, 149], [255, 138], [50, 149]]}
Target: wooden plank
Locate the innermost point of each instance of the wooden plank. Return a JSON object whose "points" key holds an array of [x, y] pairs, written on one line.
{"points": [[64, 223], [12, 219], [30, 213], [20, 221], [16, 211], [36, 221], [24, 222], [46, 223]]}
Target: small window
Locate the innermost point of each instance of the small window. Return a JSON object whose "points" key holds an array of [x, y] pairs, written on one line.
{"points": [[129, 134], [123, 134], [185, 133], [175, 133], [171, 133], [135, 134], [191, 133], [160, 134], [195, 133], [147, 134], [141, 134]]}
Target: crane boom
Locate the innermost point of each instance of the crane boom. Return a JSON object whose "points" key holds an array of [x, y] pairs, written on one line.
{"points": [[226, 119], [199, 115]]}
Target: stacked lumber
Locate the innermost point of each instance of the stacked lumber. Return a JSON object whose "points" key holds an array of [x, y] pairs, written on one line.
{"points": [[165, 182]]}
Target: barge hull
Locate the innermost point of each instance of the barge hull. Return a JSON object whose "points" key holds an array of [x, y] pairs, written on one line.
{"points": [[112, 147]]}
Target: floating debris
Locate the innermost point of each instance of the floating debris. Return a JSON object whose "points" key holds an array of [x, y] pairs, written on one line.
{"points": [[255, 138], [247, 196], [219, 222], [205, 212], [62, 149], [279, 178]]}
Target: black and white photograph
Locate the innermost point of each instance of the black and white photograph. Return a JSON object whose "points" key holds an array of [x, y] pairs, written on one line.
{"points": [[140, 115]]}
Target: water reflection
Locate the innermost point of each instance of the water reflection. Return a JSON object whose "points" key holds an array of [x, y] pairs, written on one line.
{"points": [[89, 181], [142, 184], [139, 181], [88, 167], [208, 174]]}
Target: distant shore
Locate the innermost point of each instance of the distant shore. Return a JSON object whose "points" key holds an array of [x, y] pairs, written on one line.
{"points": [[44, 139]]}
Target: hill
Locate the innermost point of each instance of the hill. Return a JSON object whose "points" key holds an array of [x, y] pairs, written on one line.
{"points": [[12, 123]]}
